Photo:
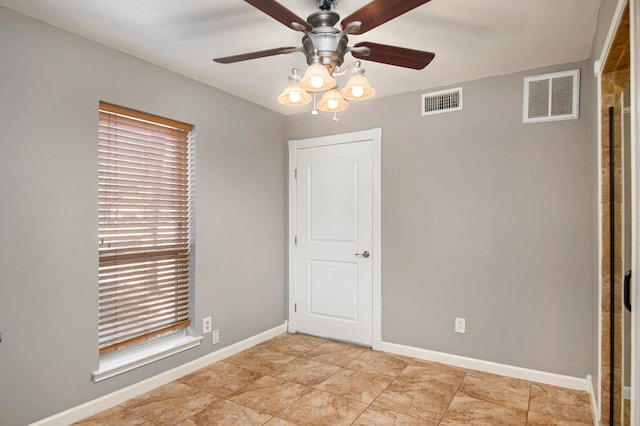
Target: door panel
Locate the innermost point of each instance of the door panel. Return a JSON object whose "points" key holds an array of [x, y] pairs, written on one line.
{"points": [[334, 223], [333, 200], [326, 279]]}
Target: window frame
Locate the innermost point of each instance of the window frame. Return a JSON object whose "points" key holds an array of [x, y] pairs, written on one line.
{"points": [[153, 232]]}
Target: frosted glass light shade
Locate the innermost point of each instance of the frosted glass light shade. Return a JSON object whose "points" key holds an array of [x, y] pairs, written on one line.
{"points": [[317, 79], [293, 95], [358, 88], [332, 101]]}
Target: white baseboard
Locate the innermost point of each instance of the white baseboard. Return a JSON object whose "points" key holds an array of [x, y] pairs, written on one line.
{"points": [[105, 402], [486, 366]]}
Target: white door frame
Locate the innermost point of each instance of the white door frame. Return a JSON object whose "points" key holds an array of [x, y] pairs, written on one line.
{"points": [[634, 22], [374, 135]]}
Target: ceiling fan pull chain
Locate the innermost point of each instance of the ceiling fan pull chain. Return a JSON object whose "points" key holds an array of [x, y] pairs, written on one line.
{"points": [[315, 111]]}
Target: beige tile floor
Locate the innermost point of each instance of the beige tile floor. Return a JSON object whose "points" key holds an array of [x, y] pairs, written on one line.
{"points": [[295, 379]]}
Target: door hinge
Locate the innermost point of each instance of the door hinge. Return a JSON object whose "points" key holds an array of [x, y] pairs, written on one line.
{"points": [[295, 173], [295, 240], [295, 307]]}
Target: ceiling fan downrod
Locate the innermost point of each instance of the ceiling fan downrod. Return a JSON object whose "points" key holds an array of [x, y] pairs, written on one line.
{"points": [[326, 4]]}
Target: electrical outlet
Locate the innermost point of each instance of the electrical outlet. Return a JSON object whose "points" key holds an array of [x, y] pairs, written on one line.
{"points": [[215, 336], [460, 326], [206, 325]]}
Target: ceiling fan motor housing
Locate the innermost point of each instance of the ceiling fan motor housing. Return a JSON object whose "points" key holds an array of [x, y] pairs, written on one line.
{"points": [[325, 43]]}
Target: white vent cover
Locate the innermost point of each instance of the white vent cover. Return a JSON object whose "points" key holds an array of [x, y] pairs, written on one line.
{"points": [[442, 101], [551, 97]]}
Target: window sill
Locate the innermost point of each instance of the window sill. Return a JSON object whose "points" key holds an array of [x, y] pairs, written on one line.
{"points": [[126, 361]]}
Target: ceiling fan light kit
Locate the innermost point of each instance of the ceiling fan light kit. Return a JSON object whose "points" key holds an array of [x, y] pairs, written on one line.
{"points": [[358, 87], [325, 46], [317, 79], [332, 101], [293, 94]]}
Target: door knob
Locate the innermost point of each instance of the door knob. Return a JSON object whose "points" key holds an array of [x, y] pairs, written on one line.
{"points": [[364, 254]]}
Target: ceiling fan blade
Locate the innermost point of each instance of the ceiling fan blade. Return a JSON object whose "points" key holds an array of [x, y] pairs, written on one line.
{"points": [[392, 55], [256, 55], [279, 12], [377, 12]]}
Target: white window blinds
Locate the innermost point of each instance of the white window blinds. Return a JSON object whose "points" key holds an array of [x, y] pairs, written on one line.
{"points": [[144, 226]]}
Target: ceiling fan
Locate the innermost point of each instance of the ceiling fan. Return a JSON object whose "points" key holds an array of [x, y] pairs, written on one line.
{"points": [[323, 43]]}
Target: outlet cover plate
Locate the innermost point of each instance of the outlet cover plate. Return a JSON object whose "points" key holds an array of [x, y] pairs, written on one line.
{"points": [[215, 337], [460, 325], [206, 325]]}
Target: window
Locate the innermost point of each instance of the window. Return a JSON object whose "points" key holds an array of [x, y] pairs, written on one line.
{"points": [[144, 227]]}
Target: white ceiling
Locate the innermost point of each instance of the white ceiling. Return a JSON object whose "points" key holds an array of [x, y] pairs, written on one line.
{"points": [[471, 38]]}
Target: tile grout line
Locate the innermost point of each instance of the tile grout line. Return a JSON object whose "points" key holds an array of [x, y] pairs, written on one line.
{"points": [[453, 397]]}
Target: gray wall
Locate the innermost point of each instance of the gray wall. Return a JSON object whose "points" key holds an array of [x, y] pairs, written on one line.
{"points": [[603, 22], [484, 218], [50, 84]]}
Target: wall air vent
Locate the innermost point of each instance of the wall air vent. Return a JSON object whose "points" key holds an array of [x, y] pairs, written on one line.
{"points": [[442, 101], [551, 97]]}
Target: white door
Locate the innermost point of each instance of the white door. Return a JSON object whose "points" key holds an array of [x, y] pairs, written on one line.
{"points": [[334, 241]]}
